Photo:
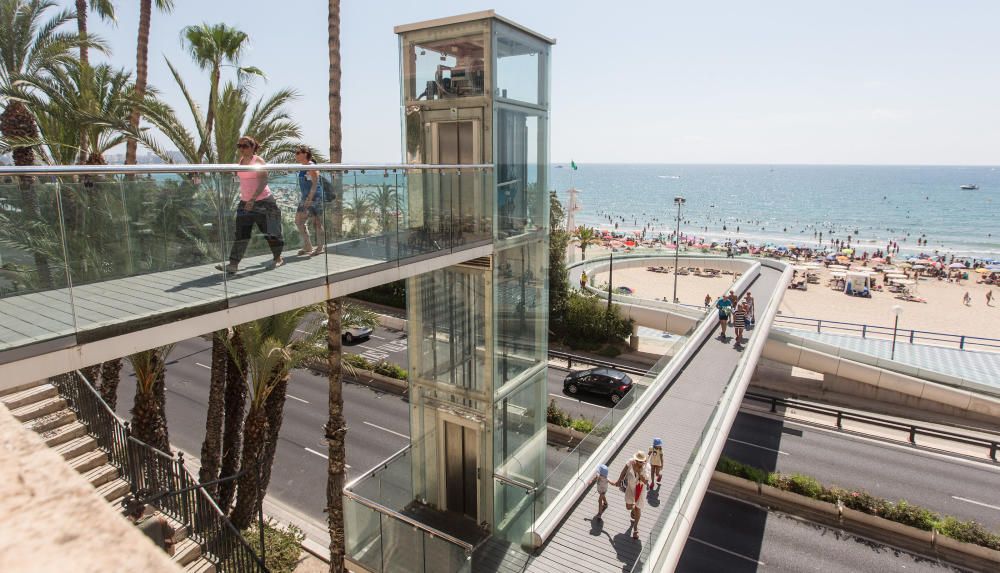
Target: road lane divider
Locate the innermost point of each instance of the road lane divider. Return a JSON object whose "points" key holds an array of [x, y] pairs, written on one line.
{"points": [[297, 398], [752, 445], [972, 501], [377, 427]]}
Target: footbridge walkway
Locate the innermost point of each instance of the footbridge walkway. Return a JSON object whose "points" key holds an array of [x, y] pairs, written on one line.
{"points": [[100, 262], [690, 403]]}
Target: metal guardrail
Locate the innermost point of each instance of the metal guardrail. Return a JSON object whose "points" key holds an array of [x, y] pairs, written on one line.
{"points": [[150, 472], [963, 342], [56, 170], [570, 358], [913, 430]]}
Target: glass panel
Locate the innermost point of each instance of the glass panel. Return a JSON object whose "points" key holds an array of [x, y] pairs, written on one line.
{"points": [[35, 299], [446, 68], [521, 63], [444, 556], [402, 546], [519, 451], [522, 172], [520, 314], [362, 534]]}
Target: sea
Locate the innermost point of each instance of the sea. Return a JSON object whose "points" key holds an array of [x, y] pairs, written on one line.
{"points": [[793, 204]]}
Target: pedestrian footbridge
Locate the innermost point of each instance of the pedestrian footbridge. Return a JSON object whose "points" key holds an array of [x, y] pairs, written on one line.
{"points": [[100, 262], [690, 402]]}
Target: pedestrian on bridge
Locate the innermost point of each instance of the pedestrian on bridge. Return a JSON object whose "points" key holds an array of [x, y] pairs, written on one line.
{"points": [[601, 479], [725, 308], [655, 456], [740, 321], [634, 478]]}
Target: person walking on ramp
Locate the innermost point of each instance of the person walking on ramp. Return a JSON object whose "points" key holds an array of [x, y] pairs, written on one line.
{"points": [[634, 478]]}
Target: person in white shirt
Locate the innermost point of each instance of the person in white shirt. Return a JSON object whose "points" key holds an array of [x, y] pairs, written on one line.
{"points": [[635, 478], [601, 479]]}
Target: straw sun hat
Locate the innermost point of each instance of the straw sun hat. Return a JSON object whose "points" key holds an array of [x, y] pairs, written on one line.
{"points": [[640, 457]]}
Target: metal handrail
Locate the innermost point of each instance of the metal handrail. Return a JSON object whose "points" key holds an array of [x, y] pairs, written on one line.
{"points": [[910, 334], [408, 520], [569, 358], [914, 430], [44, 170], [516, 483], [378, 467], [128, 455]]}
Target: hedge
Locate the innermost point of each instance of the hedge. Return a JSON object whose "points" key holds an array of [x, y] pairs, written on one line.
{"points": [[900, 511]]}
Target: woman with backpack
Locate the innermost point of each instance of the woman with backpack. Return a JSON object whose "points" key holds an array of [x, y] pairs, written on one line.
{"points": [[310, 207]]}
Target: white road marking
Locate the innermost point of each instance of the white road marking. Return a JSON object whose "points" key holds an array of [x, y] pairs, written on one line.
{"points": [[571, 399], [724, 550], [756, 446], [297, 398], [324, 456], [202, 365], [376, 336], [967, 500], [387, 430]]}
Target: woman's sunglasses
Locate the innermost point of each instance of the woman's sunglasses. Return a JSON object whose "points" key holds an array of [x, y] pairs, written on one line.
{"points": [[243, 145]]}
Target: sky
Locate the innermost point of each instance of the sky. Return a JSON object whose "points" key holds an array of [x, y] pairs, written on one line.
{"points": [[726, 81]]}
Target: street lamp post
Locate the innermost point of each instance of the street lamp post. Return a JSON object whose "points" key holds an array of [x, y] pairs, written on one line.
{"points": [[897, 310], [677, 243]]}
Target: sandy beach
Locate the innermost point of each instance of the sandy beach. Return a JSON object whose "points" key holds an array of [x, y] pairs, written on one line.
{"points": [[943, 312]]}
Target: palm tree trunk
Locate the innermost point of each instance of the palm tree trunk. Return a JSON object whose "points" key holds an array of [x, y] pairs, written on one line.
{"points": [[254, 434], [160, 394], [81, 24], [336, 437], [16, 122], [211, 448], [149, 424], [213, 96], [336, 129], [92, 374], [275, 408], [110, 376], [232, 436], [141, 72]]}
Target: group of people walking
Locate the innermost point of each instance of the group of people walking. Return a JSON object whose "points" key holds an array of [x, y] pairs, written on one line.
{"points": [[739, 313], [637, 479], [257, 207]]}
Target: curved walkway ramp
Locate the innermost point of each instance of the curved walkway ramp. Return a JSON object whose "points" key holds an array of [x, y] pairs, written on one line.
{"points": [[104, 261], [691, 405]]}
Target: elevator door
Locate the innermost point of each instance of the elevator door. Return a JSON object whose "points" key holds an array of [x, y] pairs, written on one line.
{"points": [[461, 469], [456, 142]]}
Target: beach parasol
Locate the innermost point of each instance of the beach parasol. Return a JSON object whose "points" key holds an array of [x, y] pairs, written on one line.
{"points": [[878, 260], [956, 266], [983, 270], [904, 265], [919, 267], [993, 267], [847, 251]]}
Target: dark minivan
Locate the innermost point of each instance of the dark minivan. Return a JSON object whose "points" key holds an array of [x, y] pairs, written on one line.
{"points": [[607, 381]]}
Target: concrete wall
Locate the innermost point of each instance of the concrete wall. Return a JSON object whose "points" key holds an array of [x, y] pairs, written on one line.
{"points": [[51, 519]]}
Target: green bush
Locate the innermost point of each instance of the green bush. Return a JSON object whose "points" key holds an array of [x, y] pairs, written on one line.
{"points": [[730, 466], [969, 532], [863, 501], [912, 515], [588, 324], [582, 425], [282, 546], [602, 431], [610, 351], [556, 415], [389, 369], [804, 485], [357, 361]]}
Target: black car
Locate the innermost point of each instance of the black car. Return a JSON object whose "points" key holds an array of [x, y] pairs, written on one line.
{"points": [[606, 381]]}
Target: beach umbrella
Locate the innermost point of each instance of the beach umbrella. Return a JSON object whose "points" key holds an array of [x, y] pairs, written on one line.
{"points": [[847, 251], [919, 267], [878, 260], [956, 266], [993, 267], [905, 265], [983, 270]]}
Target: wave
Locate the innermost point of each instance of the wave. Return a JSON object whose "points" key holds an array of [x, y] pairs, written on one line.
{"points": [[669, 176]]}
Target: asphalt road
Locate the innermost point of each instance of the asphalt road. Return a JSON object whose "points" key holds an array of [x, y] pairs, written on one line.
{"points": [[378, 424], [736, 537], [948, 485]]}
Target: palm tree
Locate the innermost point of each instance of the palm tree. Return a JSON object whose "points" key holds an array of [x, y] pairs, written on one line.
{"points": [[32, 45], [235, 406], [211, 447], [273, 349], [211, 46], [149, 420], [142, 68], [106, 10], [586, 236], [336, 428], [357, 210]]}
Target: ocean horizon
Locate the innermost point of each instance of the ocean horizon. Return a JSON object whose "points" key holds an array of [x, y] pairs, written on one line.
{"points": [[793, 203]]}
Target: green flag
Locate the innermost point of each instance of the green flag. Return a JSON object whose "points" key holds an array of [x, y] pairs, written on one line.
{"points": [[572, 164]]}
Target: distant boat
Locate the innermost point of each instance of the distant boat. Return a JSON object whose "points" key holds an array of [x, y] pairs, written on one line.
{"points": [[560, 166], [970, 187]]}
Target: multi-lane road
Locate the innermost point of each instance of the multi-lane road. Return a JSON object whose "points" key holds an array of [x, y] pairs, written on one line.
{"points": [[728, 534]]}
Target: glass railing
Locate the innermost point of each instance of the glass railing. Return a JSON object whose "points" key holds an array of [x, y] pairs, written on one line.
{"points": [[387, 526], [99, 251]]}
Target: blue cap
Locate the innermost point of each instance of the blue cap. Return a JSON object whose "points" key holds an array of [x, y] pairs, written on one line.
{"points": [[602, 470], [657, 442]]}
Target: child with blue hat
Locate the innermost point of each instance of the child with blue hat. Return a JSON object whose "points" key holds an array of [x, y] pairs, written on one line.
{"points": [[602, 488], [656, 460]]}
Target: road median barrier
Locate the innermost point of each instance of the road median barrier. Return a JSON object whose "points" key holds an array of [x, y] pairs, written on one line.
{"points": [[366, 377], [923, 542]]}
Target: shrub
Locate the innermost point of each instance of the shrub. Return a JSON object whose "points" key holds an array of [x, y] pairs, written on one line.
{"points": [[602, 431], [556, 415], [610, 351], [804, 485], [582, 425], [969, 532], [588, 324], [357, 361], [912, 515], [730, 466], [863, 501], [282, 546], [389, 369]]}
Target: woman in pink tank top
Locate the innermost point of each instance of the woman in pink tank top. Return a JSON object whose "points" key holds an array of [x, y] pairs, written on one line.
{"points": [[257, 207]]}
